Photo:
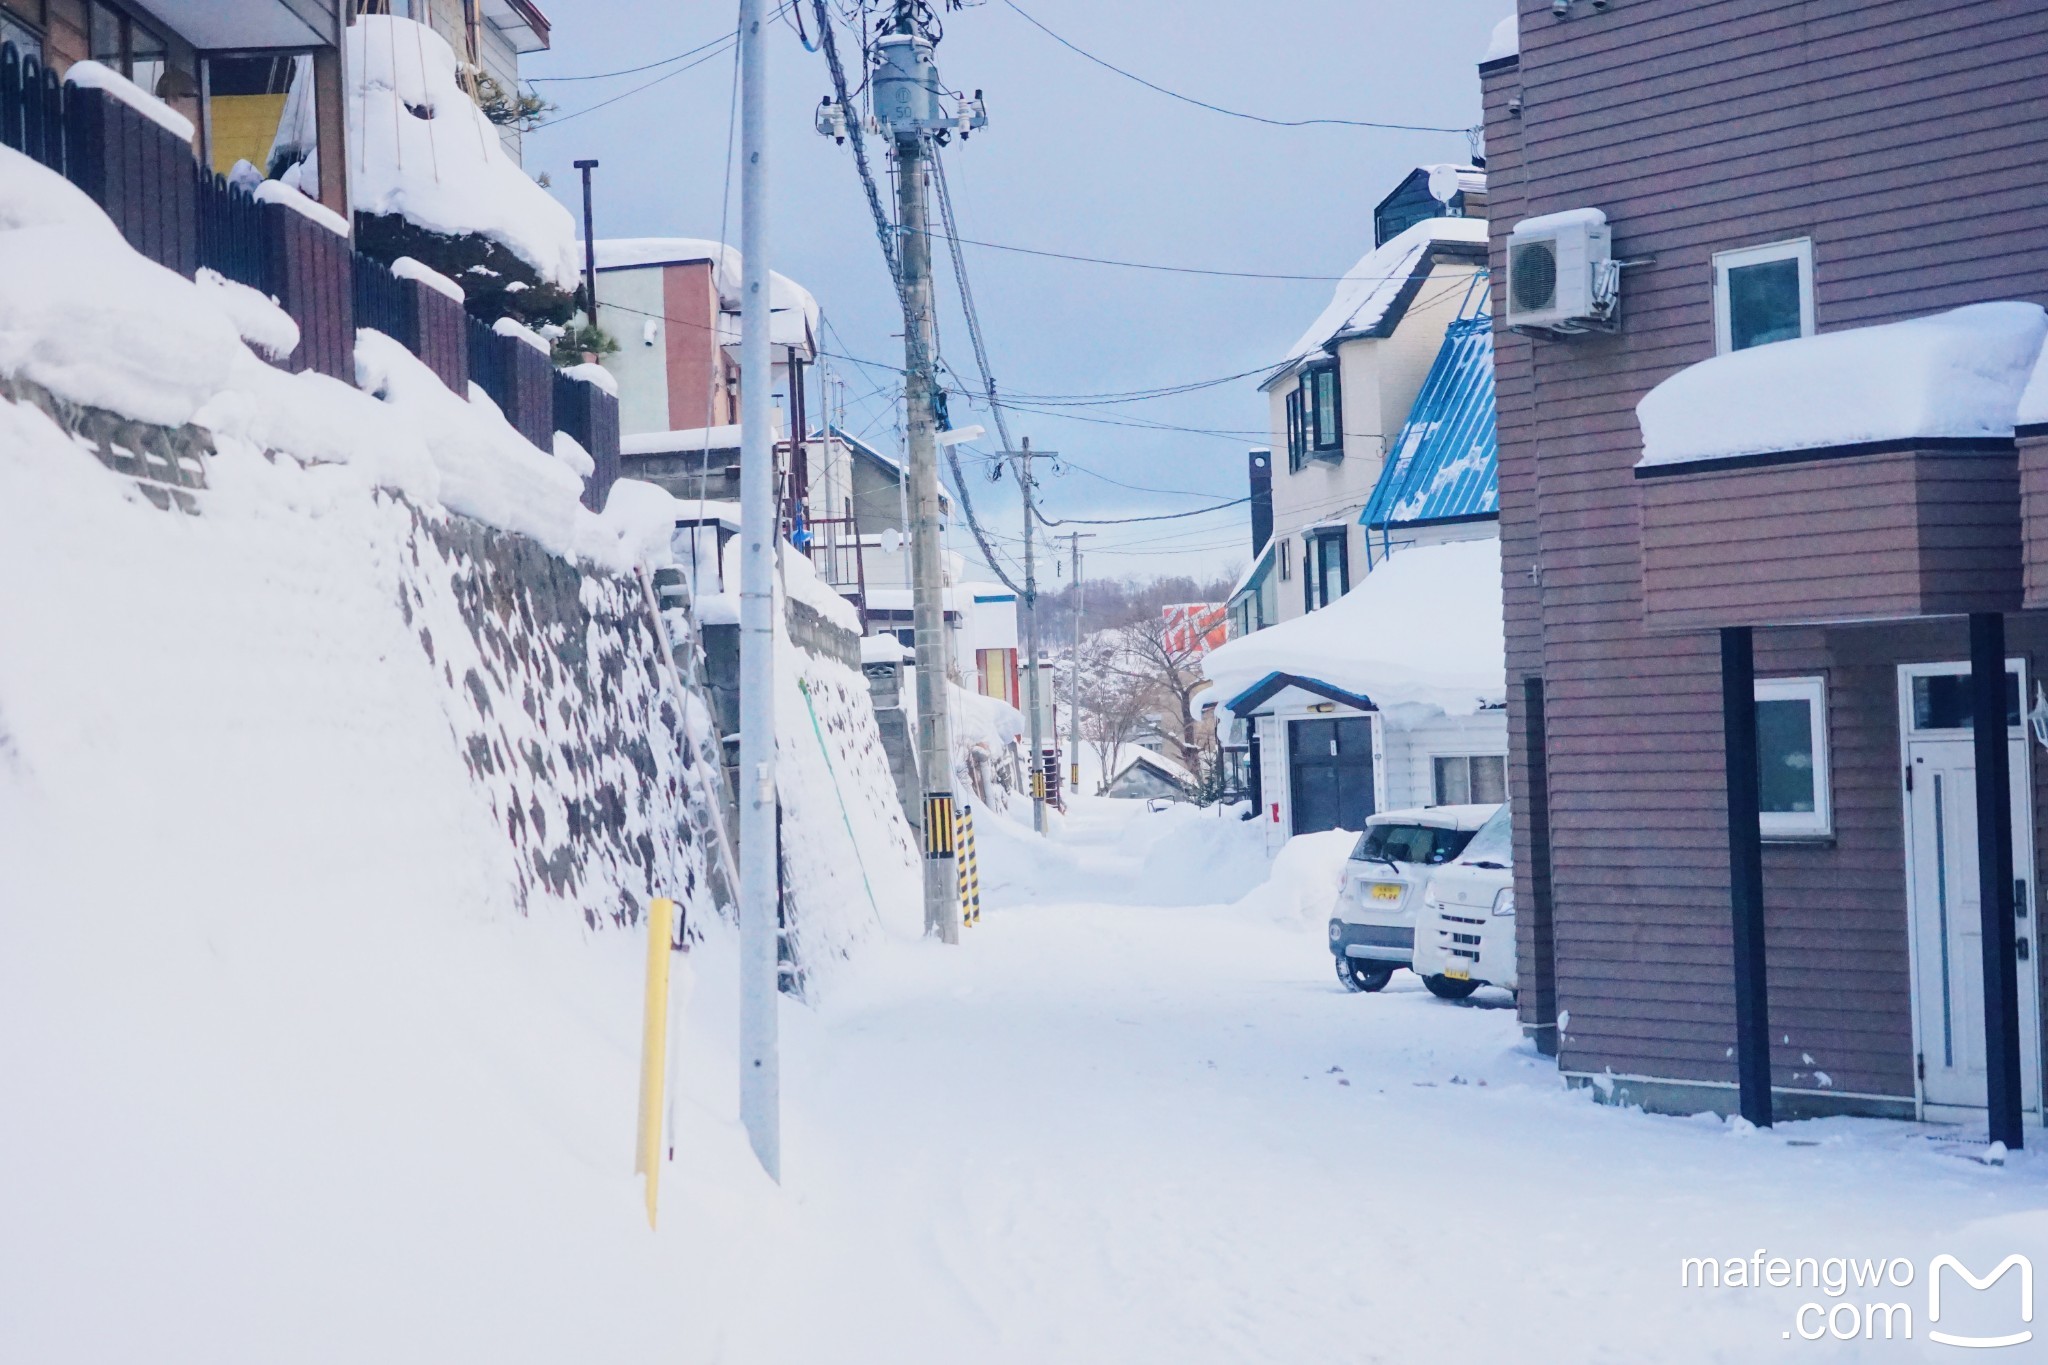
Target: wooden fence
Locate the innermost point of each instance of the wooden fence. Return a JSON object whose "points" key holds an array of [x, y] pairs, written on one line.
{"points": [[181, 215]]}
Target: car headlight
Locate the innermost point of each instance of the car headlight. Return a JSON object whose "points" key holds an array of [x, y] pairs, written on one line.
{"points": [[1504, 902]]}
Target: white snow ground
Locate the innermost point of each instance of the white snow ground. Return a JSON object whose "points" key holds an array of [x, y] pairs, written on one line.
{"points": [[1104, 1131]]}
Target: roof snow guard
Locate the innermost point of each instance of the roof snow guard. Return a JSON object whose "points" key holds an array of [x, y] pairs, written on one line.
{"points": [[1445, 465]]}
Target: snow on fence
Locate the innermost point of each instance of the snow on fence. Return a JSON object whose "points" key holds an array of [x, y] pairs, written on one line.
{"points": [[590, 416], [426, 322], [181, 215], [518, 379]]}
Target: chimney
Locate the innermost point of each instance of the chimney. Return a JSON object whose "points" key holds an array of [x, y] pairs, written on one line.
{"points": [[1262, 499]]}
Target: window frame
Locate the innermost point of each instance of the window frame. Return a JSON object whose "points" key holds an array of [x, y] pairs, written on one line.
{"points": [[1316, 441], [1468, 759], [1818, 823], [1297, 440], [1798, 249]]}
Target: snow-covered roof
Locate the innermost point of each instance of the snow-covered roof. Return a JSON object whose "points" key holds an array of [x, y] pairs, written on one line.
{"points": [[1505, 42], [793, 310], [1954, 374], [1366, 298], [707, 511], [1423, 629], [725, 437], [420, 148], [1251, 570], [1159, 763]]}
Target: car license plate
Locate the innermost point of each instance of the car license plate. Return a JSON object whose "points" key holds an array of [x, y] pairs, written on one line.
{"points": [[1386, 891], [1458, 973]]}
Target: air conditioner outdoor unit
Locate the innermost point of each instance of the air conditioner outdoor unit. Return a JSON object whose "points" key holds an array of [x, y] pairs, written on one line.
{"points": [[1561, 275]]}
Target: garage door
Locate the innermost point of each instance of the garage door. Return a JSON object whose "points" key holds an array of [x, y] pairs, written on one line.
{"points": [[1330, 773]]}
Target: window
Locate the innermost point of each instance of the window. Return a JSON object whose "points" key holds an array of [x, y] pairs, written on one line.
{"points": [[1327, 568], [1763, 294], [131, 49], [1286, 559], [1315, 416], [1470, 779], [1792, 758], [1404, 843], [1941, 701]]}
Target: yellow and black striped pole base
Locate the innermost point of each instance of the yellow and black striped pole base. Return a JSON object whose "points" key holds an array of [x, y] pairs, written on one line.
{"points": [[970, 870], [938, 825]]}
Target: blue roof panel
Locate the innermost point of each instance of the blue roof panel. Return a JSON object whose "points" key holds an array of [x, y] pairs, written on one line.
{"points": [[1445, 465]]}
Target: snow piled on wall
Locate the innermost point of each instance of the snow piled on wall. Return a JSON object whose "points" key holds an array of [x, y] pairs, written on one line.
{"points": [[424, 151], [851, 863], [1954, 374], [1423, 630]]}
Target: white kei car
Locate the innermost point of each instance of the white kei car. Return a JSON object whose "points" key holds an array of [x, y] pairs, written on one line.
{"points": [[1465, 929], [1372, 931]]}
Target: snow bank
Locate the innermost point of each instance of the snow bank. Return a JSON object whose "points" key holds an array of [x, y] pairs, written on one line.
{"points": [[851, 861], [1505, 42], [99, 76], [425, 152], [1423, 629], [1306, 875], [1954, 374], [1200, 856], [95, 322], [1369, 288], [488, 470], [265, 326]]}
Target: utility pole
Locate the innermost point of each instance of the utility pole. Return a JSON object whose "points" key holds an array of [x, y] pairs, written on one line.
{"points": [[760, 1064], [1074, 539], [901, 91], [1038, 774], [589, 245]]}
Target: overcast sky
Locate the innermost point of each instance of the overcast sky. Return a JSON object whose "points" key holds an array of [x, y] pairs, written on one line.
{"points": [[1076, 159]]}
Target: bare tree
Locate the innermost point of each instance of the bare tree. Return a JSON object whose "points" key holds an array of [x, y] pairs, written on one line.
{"points": [[1168, 664], [1114, 698]]}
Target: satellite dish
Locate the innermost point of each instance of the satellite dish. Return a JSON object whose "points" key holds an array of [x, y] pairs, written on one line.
{"points": [[1443, 183], [892, 540]]}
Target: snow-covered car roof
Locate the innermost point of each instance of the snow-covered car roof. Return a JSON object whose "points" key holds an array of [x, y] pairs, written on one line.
{"points": [[1437, 817]]}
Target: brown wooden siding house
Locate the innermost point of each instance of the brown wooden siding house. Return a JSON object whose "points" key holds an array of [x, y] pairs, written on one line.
{"points": [[1761, 856]]}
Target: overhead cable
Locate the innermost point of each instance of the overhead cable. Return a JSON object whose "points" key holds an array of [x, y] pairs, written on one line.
{"points": [[1217, 108]]}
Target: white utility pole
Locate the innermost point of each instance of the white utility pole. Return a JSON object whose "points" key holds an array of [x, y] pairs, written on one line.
{"points": [[1031, 697], [760, 1067], [1074, 539]]}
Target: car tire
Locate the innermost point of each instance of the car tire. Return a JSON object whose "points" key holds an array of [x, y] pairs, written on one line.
{"points": [[1443, 988], [1357, 974]]}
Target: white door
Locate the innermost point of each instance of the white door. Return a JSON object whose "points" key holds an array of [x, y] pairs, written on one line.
{"points": [[1944, 905]]}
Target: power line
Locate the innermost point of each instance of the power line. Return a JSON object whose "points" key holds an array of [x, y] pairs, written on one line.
{"points": [[1217, 108], [1143, 265], [1044, 520]]}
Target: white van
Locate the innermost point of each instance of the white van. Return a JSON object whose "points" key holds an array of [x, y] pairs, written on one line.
{"points": [[1465, 929], [1372, 931]]}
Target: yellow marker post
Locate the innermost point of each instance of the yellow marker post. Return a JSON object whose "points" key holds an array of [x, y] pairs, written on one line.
{"points": [[661, 914]]}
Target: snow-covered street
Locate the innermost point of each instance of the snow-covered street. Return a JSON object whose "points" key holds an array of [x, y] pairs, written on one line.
{"points": [[1106, 1131]]}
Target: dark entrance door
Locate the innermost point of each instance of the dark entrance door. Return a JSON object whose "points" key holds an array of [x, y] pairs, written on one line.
{"points": [[1330, 773]]}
